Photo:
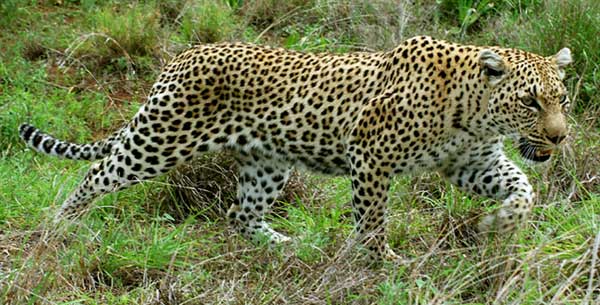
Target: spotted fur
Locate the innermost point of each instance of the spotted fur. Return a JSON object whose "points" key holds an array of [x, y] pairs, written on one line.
{"points": [[427, 105]]}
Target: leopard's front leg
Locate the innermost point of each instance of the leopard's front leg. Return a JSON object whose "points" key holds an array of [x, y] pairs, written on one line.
{"points": [[485, 170], [370, 186]]}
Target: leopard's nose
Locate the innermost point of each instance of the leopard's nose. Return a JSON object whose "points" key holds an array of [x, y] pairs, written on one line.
{"points": [[555, 128]]}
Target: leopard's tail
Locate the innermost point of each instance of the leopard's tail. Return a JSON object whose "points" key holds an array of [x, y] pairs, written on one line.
{"points": [[50, 145]]}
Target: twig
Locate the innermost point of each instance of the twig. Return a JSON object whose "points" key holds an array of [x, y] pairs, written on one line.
{"points": [[590, 288], [280, 20]]}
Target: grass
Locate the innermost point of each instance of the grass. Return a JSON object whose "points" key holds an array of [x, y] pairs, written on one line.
{"points": [[581, 17], [206, 22], [81, 68]]}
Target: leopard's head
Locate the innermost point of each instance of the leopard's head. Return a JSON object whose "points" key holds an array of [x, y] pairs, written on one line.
{"points": [[527, 98]]}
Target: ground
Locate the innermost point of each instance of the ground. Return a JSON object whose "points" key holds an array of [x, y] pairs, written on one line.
{"points": [[81, 68]]}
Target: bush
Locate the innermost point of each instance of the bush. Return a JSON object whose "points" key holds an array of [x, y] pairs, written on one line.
{"points": [[9, 11], [273, 14], [558, 24], [117, 36], [328, 24], [206, 21], [469, 16], [573, 24]]}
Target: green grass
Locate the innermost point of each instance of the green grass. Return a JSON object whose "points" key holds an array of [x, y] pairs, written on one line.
{"points": [[79, 69], [570, 24], [207, 21]]}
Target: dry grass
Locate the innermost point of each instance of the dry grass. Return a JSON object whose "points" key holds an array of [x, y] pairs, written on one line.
{"points": [[207, 186], [229, 271], [270, 13], [575, 173], [343, 25]]}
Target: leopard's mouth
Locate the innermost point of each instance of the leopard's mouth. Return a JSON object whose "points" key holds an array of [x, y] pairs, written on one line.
{"points": [[534, 153]]}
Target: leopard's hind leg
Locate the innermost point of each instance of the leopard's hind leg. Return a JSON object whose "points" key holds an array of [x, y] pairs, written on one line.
{"points": [[260, 181], [135, 158]]}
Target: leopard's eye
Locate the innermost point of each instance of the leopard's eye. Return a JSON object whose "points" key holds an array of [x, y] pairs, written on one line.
{"points": [[564, 102], [563, 99], [531, 103]]}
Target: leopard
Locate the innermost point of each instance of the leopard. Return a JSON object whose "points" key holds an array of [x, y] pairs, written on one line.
{"points": [[427, 105]]}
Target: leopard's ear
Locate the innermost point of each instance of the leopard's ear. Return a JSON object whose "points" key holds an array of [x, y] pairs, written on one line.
{"points": [[493, 66], [562, 59]]}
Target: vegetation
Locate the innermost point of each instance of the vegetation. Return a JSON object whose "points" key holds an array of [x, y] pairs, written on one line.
{"points": [[80, 68]]}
